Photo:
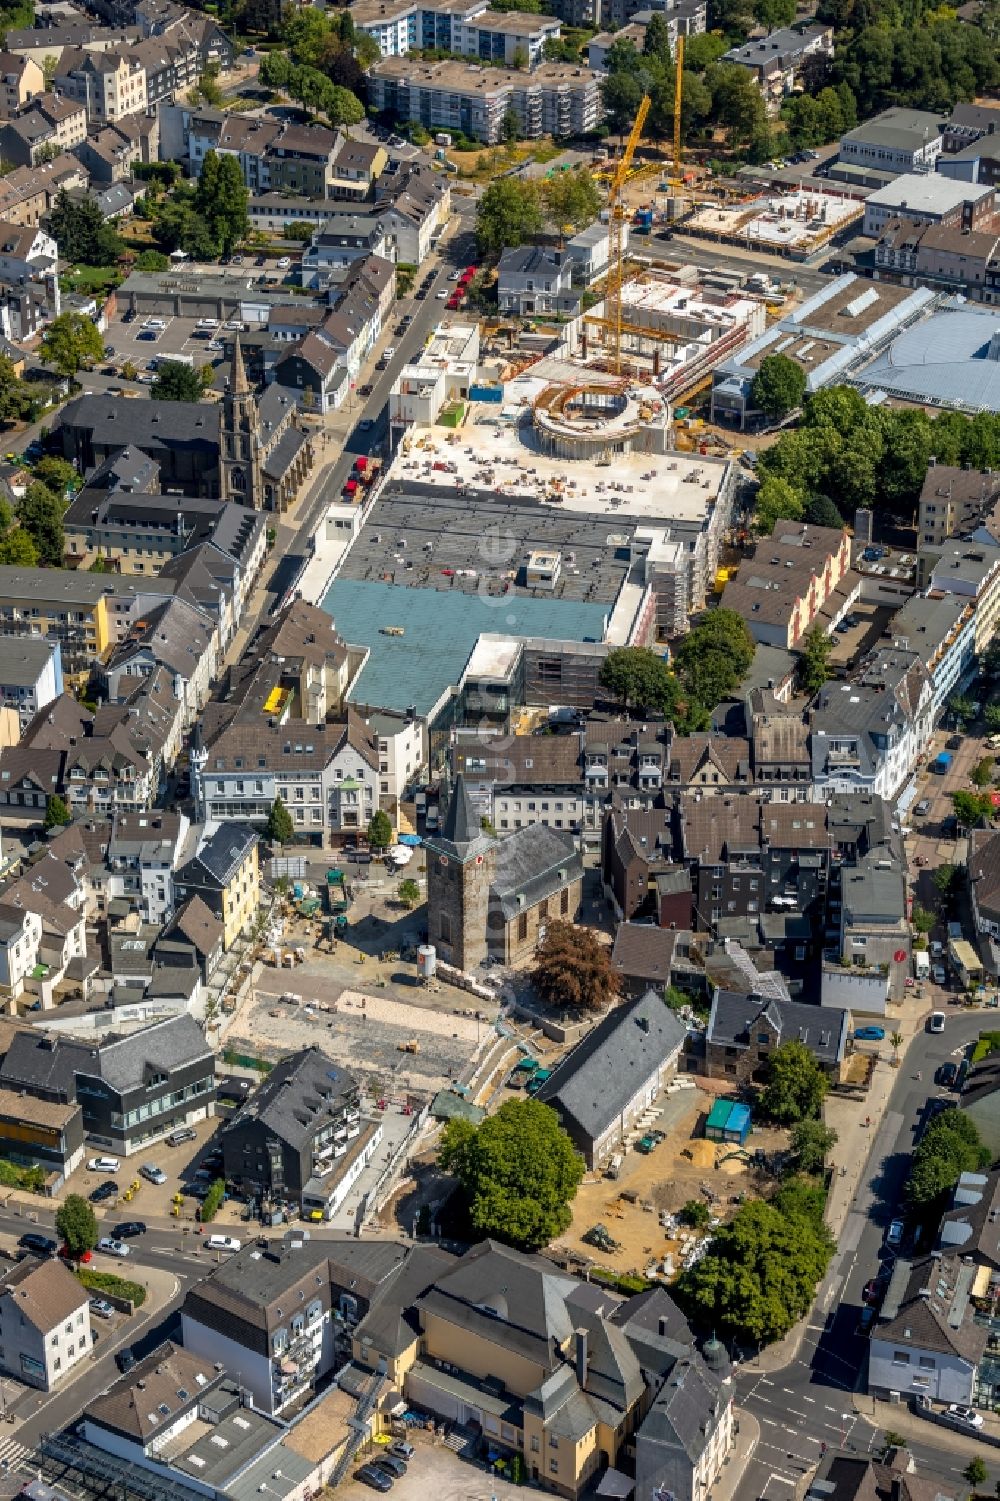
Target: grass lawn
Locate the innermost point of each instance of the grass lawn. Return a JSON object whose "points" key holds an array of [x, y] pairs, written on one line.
{"points": [[93, 279]]}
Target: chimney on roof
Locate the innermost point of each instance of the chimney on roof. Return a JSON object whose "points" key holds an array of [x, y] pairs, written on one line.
{"points": [[580, 1353]]}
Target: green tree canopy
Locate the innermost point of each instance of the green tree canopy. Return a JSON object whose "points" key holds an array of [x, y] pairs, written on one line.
{"points": [[972, 808], [58, 474], [152, 260], [812, 1143], [69, 340], [636, 677], [796, 1085], [222, 198], [17, 550], [572, 969], [509, 214], [56, 813], [41, 516], [571, 200], [821, 511], [380, 830], [280, 829], [760, 1274], [776, 500], [76, 1222], [778, 386], [950, 1146], [814, 661], [79, 229], [408, 892], [176, 382], [518, 1170]]}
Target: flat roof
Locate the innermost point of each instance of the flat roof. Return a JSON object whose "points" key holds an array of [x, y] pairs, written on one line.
{"points": [[928, 193], [440, 631], [789, 219], [948, 359], [897, 127]]}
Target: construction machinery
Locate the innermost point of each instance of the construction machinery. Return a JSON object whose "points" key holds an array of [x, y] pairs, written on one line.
{"points": [[616, 221]]}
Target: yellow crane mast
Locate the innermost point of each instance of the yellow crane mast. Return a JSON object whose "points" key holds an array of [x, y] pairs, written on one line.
{"points": [[678, 101], [616, 219]]}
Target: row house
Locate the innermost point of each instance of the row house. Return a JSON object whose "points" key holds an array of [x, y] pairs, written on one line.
{"points": [[111, 85], [781, 590], [175, 635], [941, 630], [51, 126], [142, 853], [21, 80], [867, 735], [43, 937], [28, 193]]}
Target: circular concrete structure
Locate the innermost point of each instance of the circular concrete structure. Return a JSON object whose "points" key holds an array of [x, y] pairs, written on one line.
{"points": [[586, 421]]}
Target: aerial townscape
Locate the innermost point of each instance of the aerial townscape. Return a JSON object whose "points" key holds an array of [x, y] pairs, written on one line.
{"points": [[499, 750]]}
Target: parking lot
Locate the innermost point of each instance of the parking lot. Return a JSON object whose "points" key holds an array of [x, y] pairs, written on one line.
{"points": [[143, 341], [149, 1200], [434, 1470], [865, 631]]}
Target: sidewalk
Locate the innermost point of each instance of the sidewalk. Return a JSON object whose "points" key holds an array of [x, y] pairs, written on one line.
{"points": [[899, 1418], [734, 1466]]}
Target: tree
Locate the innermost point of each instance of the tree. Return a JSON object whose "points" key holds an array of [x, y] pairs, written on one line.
{"points": [[714, 656], [812, 666], [696, 1213], [776, 500], [152, 260], [222, 197], [975, 1471], [518, 1170], [949, 1147], [972, 808], [380, 830], [344, 108], [408, 892], [962, 707], [635, 676], [811, 1143], [59, 475], [760, 1273], [571, 199], [79, 229], [774, 14], [622, 92], [509, 214], [572, 969], [280, 829], [778, 386], [981, 774], [299, 229], [821, 511], [69, 340], [176, 382], [510, 127], [57, 813], [212, 1202], [922, 920], [76, 1222], [896, 1038], [41, 516], [796, 1085], [17, 550], [992, 717]]}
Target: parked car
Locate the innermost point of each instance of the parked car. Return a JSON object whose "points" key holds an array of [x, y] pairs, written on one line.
{"points": [[103, 1165], [112, 1247], [947, 1074], [953, 743], [83, 1258], [867, 1319], [872, 1290], [38, 1245], [152, 1173], [402, 1448], [284, 263], [936, 1022], [222, 1243], [869, 1034], [372, 1476], [938, 975], [125, 1360], [129, 1229], [104, 1191], [894, 1234], [101, 1308], [967, 1415], [392, 1464], [178, 1138], [924, 806], [937, 948]]}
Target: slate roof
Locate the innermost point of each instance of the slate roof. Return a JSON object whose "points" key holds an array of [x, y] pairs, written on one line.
{"points": [[595, 1082], [169, 1382], [971, 1227], [681, 1416], [531, 864], [644, 953], [220, 855], [984, 871], [823, 1029], [934, 1311], [124, 1062], [298, 1094], [194, 923]]}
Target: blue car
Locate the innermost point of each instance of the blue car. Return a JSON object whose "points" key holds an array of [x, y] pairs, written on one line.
{"points": [[869, 1034]]}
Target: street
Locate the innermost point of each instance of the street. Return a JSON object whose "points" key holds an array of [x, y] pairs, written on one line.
{"points": [[811, 1401]]}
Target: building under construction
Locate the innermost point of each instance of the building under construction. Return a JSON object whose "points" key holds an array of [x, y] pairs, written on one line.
{"points": [[786, 224]]}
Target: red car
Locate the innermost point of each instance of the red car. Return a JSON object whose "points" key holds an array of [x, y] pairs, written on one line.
{"points": [[470, 272], [83, 1257], [452, 304]]}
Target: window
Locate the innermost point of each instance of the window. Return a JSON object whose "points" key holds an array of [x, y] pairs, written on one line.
{"points": [[534, 1443], [553, 1442], [900, 1357], [564, 902], [927, 1363], [522, 928], [554, 1466]]}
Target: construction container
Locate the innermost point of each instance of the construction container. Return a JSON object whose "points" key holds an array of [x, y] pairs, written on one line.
{"points": [[728, 1121], [426, 961]]}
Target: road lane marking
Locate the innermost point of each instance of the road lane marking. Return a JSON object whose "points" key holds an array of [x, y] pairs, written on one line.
{"points": [[811, 1400]]}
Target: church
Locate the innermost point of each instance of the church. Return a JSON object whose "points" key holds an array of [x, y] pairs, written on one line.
{"points": [[490, 898], [245, 448]]}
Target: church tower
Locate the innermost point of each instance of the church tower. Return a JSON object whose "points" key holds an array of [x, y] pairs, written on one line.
{"points": [[461, 865], [240, 476]]}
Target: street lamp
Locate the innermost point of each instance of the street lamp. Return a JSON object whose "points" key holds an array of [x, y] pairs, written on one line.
{"points": [[846, 1417]]}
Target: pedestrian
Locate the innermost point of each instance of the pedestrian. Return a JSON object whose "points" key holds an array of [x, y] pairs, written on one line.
{"points": [[868, 1120]]}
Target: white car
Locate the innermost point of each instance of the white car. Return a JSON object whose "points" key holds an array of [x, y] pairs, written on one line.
{"points": [[222, 1243], [388, 352], [937, 1021], [152, 1174], [103, 1165], [284, 263], [441, 295], [967, 1415], [112, 1247]]}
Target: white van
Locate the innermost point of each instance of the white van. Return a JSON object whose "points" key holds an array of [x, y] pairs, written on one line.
{"points": [[222, 1243], [921, 964]]}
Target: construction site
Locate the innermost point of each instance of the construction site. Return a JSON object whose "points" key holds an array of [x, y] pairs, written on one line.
{"points": [[795, 224]]}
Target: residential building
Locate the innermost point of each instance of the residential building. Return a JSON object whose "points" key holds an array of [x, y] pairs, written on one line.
{"points": [[776, 62], [783, 588], [604, 1084], [984, 884], [45, 1319], [514, 38], [143, 850], [248, 1312], [28, 193], [744, 1030], [941, 629], [50, 949], [930, 198], [643, 957], [488, 896], [175, 635], [971, 571], [971, 1227], [344, 237], [25, 252], [133, 1090], [851, 1477], [175, 1385], [41, 1133], [874, 916], [954, 501], [30, 675], [111, 84], [21, 80], [51, 126], [927, 1341], [981, 1101], [292, 1139], [938, 255], [415, 206], [536, 279], [109, 156], [900, 141], [555, 98], [20, 944], [224, 871], [867, 735], [194, 929]]}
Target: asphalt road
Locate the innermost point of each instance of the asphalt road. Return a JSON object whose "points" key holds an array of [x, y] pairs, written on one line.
{"points": [[809, 1402], [709, 257]]}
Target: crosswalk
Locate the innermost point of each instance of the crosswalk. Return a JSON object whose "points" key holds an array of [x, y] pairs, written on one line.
{"points": [[12, 1455]]}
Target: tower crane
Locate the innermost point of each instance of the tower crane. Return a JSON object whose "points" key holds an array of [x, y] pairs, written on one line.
{"points": [[616, 220]]}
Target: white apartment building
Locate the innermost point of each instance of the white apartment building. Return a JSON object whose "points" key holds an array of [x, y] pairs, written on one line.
{"points": [[44, 1322]]}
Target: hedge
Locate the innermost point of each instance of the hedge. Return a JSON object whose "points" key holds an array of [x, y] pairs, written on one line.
{"points": [[989, 1042], [625, 1282], [108, 1282], [212, 1201]]}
